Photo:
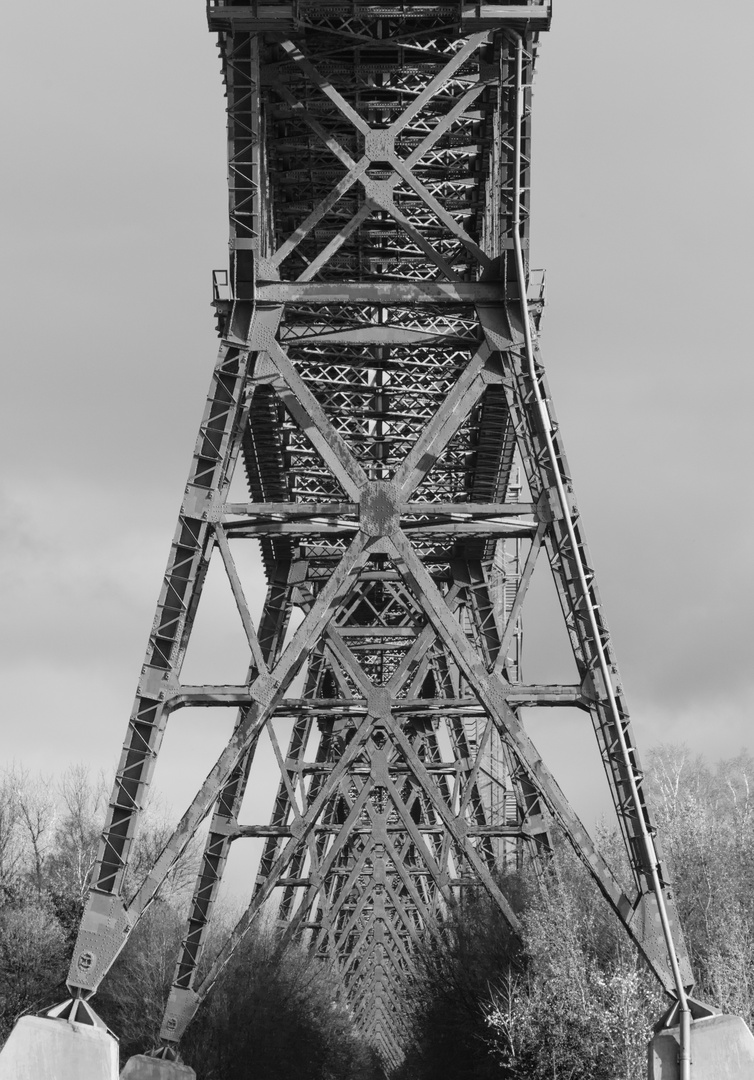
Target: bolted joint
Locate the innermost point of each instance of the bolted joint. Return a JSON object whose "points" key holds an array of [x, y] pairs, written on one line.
{"points": [[264, 689], [379, 508], [548, 506], [157, 683], [379, 702], [380, 192], [378, 144], [104, 930], [594, 687], [179, 1012], [202, 504], [379, 769]]}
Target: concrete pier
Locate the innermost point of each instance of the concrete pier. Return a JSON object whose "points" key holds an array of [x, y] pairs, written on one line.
{"points": [[142, 1067], [722, 1048], [39, 1048]]}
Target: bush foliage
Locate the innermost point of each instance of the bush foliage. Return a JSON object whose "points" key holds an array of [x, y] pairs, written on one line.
{"points": [[567, 999]]}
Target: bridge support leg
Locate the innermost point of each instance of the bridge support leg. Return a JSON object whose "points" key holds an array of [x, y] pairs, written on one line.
{"points": [[722, 1048], [40, 1048], [142, 1067]]}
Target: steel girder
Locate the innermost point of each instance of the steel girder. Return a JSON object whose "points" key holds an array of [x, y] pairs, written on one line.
{"points": [[372, 385]]}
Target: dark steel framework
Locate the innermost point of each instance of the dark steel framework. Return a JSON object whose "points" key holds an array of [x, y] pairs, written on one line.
{"points": [[380, 387]]}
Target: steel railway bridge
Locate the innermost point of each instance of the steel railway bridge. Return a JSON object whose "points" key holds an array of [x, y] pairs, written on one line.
{"points": [[379, 389]]}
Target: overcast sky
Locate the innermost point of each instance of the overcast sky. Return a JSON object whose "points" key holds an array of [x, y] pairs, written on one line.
{"points": [[114, 214]]}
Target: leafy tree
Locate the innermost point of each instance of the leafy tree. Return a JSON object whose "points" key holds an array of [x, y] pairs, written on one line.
{"points": [[570, 1000], [273, 1015], [584, 1006], [706, 821], [49, 836], [455, 977], [33, 961]]}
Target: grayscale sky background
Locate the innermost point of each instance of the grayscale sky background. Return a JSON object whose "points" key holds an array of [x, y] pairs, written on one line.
{"points": [[113, 215]]}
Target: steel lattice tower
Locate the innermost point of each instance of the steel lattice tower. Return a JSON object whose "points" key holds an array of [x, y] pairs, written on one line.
{"points": [[380, 389]]}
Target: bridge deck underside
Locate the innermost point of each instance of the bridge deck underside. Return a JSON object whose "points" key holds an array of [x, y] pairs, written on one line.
{"points": [[381, 858]]}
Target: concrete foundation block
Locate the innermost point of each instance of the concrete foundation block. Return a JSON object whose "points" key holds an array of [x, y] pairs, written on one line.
{"points": [[722, 1048], [39, 1048], [142, 1067]]}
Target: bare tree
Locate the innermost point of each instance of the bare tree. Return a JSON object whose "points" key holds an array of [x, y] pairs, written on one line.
{"points": [[81, 812], [11, 844], [37, 813]]}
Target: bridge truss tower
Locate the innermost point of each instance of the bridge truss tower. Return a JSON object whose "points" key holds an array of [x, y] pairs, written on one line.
{"points": [[380, 391]]}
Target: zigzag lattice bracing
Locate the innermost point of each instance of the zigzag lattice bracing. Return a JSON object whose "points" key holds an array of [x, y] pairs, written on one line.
{"points": [[380, 391]]}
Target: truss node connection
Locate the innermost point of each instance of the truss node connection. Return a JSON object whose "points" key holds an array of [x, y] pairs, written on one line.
{"points": [[379, 427]]}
